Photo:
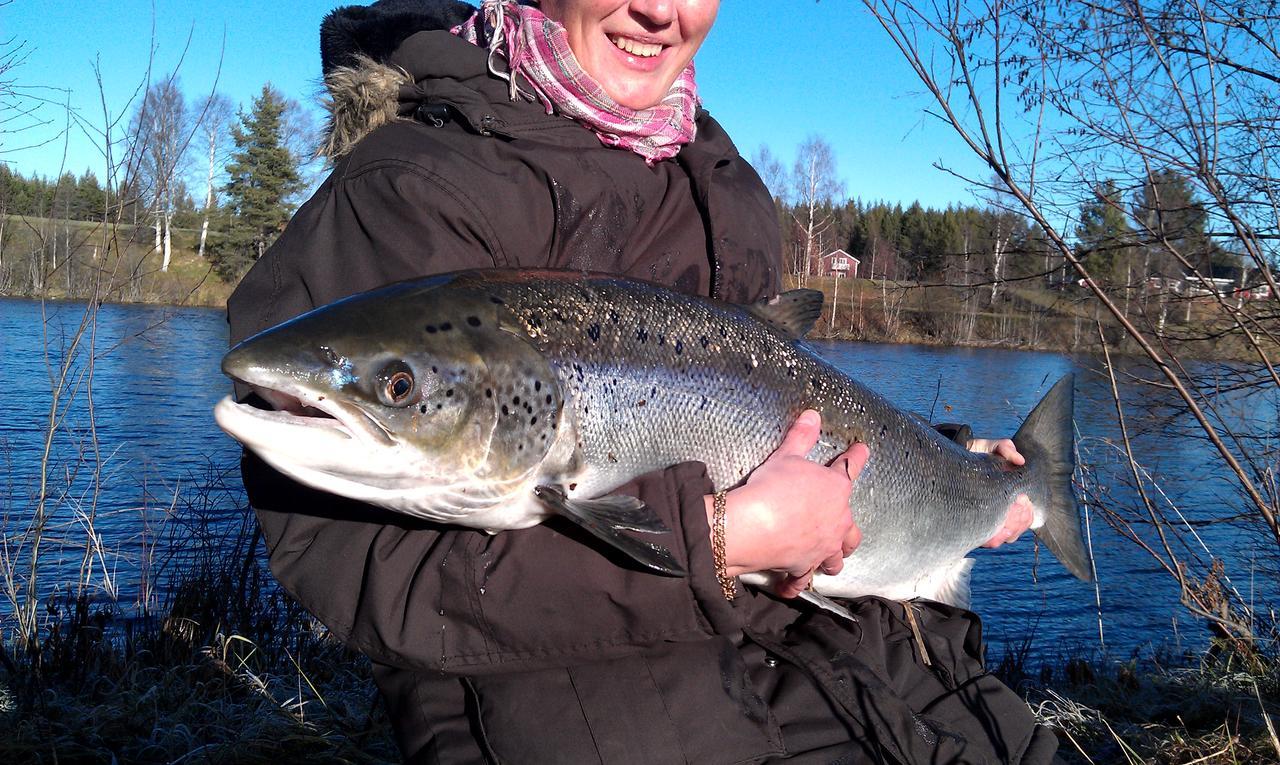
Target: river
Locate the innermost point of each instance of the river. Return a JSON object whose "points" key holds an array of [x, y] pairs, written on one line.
{"points": [[155, 380]]}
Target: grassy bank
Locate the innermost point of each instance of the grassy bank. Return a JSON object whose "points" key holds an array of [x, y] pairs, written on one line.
{"points": [[1023, 315], [1216, 708], [66, 259], [228, 669]]}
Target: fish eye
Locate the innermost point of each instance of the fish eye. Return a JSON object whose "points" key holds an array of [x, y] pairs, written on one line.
{"points": [[396, 384]]}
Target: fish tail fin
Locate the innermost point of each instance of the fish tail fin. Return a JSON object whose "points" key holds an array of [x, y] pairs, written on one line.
{"points": [[1047, 440]]}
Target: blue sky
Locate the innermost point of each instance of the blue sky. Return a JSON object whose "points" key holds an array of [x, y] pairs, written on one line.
{"points": [[772, 71]]}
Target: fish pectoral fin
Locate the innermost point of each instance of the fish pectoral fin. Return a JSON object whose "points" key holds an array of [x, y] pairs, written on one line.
{"points": [[827, 604], [949, 585], [606, 518], [794, 311]]}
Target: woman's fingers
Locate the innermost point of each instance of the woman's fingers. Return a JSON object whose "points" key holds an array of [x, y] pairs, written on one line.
{"points": [[802, 435], [855, 459], [1003, 448], [1021, 514]]}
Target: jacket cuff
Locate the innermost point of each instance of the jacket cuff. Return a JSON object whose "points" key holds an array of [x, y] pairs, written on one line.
{"points": [[690, 484]]}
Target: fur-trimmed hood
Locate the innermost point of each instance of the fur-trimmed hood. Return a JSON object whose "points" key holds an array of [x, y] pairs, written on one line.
{"points": [[389, 59]]}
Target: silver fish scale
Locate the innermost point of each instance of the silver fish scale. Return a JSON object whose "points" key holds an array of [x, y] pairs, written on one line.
{"points": [[651, 378]]}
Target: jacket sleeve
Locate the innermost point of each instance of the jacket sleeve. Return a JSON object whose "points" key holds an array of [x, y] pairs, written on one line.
{"points": [[424, 596]]}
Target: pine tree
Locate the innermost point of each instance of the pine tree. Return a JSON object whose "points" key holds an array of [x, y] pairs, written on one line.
{"points": [[262, 175], [1103, 236]]}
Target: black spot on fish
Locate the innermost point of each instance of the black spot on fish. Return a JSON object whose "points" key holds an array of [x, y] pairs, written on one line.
{"points": [[533, 420], [662, 339], [705, 341], [593, 332], [612, 457], [473, 321], [488, 392], [641, 402], [537, 385], [431, 329], [423, 409], [505, 411], [496, 300], [516, 401], [520, 448], [439, 407], [642, 334], [613, 316], [573, 486], [723, 332], [679, 347], [435, 370], [445, 327], [548, 398]]}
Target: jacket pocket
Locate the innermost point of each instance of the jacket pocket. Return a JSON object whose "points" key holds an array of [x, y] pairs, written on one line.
{"points": [[676, 703]]}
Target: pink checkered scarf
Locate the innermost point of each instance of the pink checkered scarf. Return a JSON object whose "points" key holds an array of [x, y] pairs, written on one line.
{"points": [[538, 49]]}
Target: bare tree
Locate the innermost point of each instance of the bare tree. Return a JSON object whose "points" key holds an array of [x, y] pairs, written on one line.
{"points": [[770, 170], [1055, 97], [161, 128], [815, 186], [301, 135]]}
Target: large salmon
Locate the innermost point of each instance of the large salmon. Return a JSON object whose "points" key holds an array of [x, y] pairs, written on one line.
{"points": [[493, 399]]}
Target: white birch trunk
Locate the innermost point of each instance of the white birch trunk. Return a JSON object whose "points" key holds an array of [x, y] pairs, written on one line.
{"points": [[168, 242], [208, 192]]}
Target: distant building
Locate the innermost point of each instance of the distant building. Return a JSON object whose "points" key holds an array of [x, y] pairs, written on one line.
{"points": [[838, 263]]}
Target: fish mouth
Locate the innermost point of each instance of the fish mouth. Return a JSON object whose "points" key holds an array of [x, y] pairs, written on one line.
{"points": [[294, 406]]}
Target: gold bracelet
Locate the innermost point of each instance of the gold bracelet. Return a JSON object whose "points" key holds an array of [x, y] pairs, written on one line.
{"points": [[728, 585]]}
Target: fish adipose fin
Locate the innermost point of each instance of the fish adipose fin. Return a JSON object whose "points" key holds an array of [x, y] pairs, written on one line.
{"points": [[606, 517], [1046, 439], [949, 585], [794, 311]]}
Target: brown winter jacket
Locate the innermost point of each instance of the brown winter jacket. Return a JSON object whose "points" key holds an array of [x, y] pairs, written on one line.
{"points": [[534, 645]]}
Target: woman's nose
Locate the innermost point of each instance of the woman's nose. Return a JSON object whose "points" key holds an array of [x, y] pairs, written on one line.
{"points": [[656, 12]]}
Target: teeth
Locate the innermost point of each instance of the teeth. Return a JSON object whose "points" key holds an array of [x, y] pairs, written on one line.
{"points": [[636, 48]]}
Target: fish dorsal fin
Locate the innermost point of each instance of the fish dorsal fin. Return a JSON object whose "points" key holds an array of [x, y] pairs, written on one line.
{"points": [[794, 311]]}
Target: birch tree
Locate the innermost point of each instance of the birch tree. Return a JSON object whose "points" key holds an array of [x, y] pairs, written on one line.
{"points": [[161, 130], [815, 186], [215, 139]]}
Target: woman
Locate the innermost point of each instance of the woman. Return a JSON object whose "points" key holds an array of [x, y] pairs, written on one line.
{"points": [[533, 646]]}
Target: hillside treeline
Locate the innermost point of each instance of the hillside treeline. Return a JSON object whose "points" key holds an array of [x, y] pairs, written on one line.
{"points": [[195, 175]]}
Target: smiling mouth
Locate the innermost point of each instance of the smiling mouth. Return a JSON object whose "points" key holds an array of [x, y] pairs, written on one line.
{"points": [[635, 47]]}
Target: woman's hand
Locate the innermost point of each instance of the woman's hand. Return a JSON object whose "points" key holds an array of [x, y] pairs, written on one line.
{"points": [[1021, 511], [792, 515]]}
